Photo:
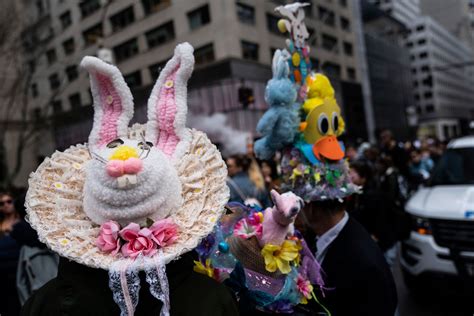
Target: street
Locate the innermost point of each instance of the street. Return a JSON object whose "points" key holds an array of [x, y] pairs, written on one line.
{"points": [[431, 303]]}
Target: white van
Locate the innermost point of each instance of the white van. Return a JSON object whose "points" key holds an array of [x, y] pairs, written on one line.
{"points": [[441, 244]]}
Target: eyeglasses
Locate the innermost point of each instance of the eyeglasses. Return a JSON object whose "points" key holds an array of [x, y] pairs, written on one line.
{"points": [[2, 203]]}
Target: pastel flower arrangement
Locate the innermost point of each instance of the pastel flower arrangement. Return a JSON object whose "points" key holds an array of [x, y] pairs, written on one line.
{"points": [[322, 181], [133, 240], [249, 226]]}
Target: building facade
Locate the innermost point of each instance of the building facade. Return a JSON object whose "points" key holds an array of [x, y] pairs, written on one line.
{"points": [[442, 84]]}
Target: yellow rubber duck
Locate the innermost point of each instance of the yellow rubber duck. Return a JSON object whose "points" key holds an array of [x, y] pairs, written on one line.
{"points": [[323, 120]]}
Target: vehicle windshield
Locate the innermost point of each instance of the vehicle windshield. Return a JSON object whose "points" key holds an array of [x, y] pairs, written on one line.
{"points": [[455, 167]]}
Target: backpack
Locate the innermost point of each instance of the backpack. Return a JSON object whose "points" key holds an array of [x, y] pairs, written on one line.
{"points": [[36, 266]]}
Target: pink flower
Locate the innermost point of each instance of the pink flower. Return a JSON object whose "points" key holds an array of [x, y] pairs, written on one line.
{"points": [[304, 287], [139, 241], [164, 232], [247, 228], [108, 240]]}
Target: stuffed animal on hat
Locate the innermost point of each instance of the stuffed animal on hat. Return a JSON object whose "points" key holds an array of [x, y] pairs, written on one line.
{"points": [[280, 122], [278, 221], [293, 23], [323, 122]]}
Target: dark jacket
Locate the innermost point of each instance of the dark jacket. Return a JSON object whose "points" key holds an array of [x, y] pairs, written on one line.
{"points": [[80, 290], [355, 268], [375, 213]]}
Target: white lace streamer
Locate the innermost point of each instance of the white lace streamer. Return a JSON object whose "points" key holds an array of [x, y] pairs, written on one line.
{"points": [[159, 288]]}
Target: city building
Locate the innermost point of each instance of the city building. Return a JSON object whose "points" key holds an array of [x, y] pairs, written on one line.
{"points": [[233, 40], [455, 15], [442, 78], [389, 72]]}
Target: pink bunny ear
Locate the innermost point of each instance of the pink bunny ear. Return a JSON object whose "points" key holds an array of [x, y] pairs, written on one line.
{"points": [[167, 105], [113, 102]]}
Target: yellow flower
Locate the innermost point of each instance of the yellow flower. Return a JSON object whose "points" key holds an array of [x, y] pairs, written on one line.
{"points": [[123, 153], [279, 257], [295, 174], [317, 177], [204, 269]]}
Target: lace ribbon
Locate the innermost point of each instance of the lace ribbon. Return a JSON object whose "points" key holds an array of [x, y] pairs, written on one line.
{"points": [[125, 285], [159, 288]]}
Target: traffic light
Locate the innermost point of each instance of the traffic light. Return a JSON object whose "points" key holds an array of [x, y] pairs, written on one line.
{"points": [[246, 96]]}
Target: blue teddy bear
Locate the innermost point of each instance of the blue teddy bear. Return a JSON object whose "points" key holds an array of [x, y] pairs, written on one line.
{"points": [[279, 124]]}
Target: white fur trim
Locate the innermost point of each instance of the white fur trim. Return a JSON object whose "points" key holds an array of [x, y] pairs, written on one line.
{"points": [[96, 66]]}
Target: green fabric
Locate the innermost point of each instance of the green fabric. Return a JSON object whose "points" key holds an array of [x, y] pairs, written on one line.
{"points": [[79, 290]]}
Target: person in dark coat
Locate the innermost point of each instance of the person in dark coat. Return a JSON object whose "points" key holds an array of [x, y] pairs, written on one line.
{"points": [[80, 290], [357, 278]]}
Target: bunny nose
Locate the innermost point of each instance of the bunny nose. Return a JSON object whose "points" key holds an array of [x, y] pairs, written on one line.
{"points": [[117, 168]]}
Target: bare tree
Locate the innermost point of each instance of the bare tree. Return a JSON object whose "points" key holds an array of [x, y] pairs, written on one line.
{"points": [[18, 46]]}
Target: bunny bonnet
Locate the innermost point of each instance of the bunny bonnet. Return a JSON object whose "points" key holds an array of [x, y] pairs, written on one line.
{"points": [[132, 199]]}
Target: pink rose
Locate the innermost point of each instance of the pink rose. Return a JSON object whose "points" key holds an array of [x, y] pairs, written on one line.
{"points": [[108, 240], [165, 232], [139, 241]]}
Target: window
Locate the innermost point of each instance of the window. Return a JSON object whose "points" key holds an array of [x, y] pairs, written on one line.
{"points": [[65, 19], [204, 54], [34, 90], [51, 56], [423, 55], [126, 50], [429, 108], [332, 69], [249, 50], [72, 73], [245, 13], [75, 100], [88, 7], [351, 73], [348, 49], [134, 79], [92, 34], [428, 95], [54, 81], [272, 52], [425, 68], [412, 57], [122, 19], [330, 43], [152, 6], [160, 35], [415, 83], [409, 44], [343, 3], [68, 46], [272, 24], [199, 17], [327, 16], [155, 69], [422, 41], [36, 113], [420, 28], [413, 71], [417, 97], [32, 66], [57, 106], [345, 24]]}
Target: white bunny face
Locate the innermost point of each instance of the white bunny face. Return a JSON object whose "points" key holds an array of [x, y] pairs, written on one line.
{"points": [[130, 180]]}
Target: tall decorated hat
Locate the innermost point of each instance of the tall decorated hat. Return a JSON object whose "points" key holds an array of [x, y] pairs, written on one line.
{"points": [[305, 128], [134, 198]]}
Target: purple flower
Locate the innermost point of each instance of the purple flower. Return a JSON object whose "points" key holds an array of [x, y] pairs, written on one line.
{"points": [[205, 247]]}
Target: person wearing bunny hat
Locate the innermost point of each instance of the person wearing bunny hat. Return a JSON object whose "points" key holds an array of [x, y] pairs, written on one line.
{"points": [[356, 277], [124, 210]]}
